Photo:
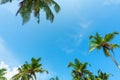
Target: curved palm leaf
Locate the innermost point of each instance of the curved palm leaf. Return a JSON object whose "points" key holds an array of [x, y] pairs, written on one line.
{"points": [[110, 36]]}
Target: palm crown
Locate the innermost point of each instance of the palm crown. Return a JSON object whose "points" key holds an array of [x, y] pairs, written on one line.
{"points": [[79, 71], [35, 6], [28, 71], [102, 76], [99, 42]]}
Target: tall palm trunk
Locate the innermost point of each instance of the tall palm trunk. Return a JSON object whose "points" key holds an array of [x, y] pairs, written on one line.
{"points": [[113, 59]]}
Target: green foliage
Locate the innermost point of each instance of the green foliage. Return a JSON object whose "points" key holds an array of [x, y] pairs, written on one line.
{"points": [[27, 7], [2, 73], [80, 72], [28, 70], [102, 76], [98, 42], [110, 36]]}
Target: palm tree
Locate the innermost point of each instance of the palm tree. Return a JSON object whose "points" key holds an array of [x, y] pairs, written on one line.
{"points": [[27, 7], [28, 71], [2, 73], [79, 71], [102, 76], [99, 42]]}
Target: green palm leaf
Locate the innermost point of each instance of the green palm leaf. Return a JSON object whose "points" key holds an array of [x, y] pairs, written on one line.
{"points": [[110, 36], [106, 52]]}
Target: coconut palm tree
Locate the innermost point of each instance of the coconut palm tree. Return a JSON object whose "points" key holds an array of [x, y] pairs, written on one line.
{"points": [[28, 71], [98, 42], [2, 73], [79, 71], [27, 7], [102, 76]]}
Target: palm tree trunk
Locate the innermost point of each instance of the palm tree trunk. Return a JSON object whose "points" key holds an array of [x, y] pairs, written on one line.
{"points": [[113, 59]]}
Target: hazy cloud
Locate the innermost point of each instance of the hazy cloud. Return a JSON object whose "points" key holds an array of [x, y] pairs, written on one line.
{"points": [[85, 24], [44, 76], [111, 2], [7, 60], [6, 55], [10, 72]]}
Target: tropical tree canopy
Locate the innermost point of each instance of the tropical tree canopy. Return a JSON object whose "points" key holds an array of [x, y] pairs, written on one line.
{"points": [[98, 42], [79, 71], [28, 70], [27, 7], [102, 76], [2, 73]]}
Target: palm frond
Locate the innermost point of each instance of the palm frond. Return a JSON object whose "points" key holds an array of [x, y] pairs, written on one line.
{"points": [[110, 36], [114, 46], [71, 64], [83, 66], [106, 52], [17, 76], [56, 6], [90, 37], [2, 72], [91, 48]]}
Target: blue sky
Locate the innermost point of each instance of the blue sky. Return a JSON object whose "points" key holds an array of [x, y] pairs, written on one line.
{"points": [[62, 41]]}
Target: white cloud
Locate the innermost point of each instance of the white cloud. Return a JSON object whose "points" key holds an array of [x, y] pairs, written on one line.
{"points": [[68, 50], [6, 55], [70, 5], [10, 72], [85, 24], [7, 60], [44, 76], [111, 2], [71, 42]]}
